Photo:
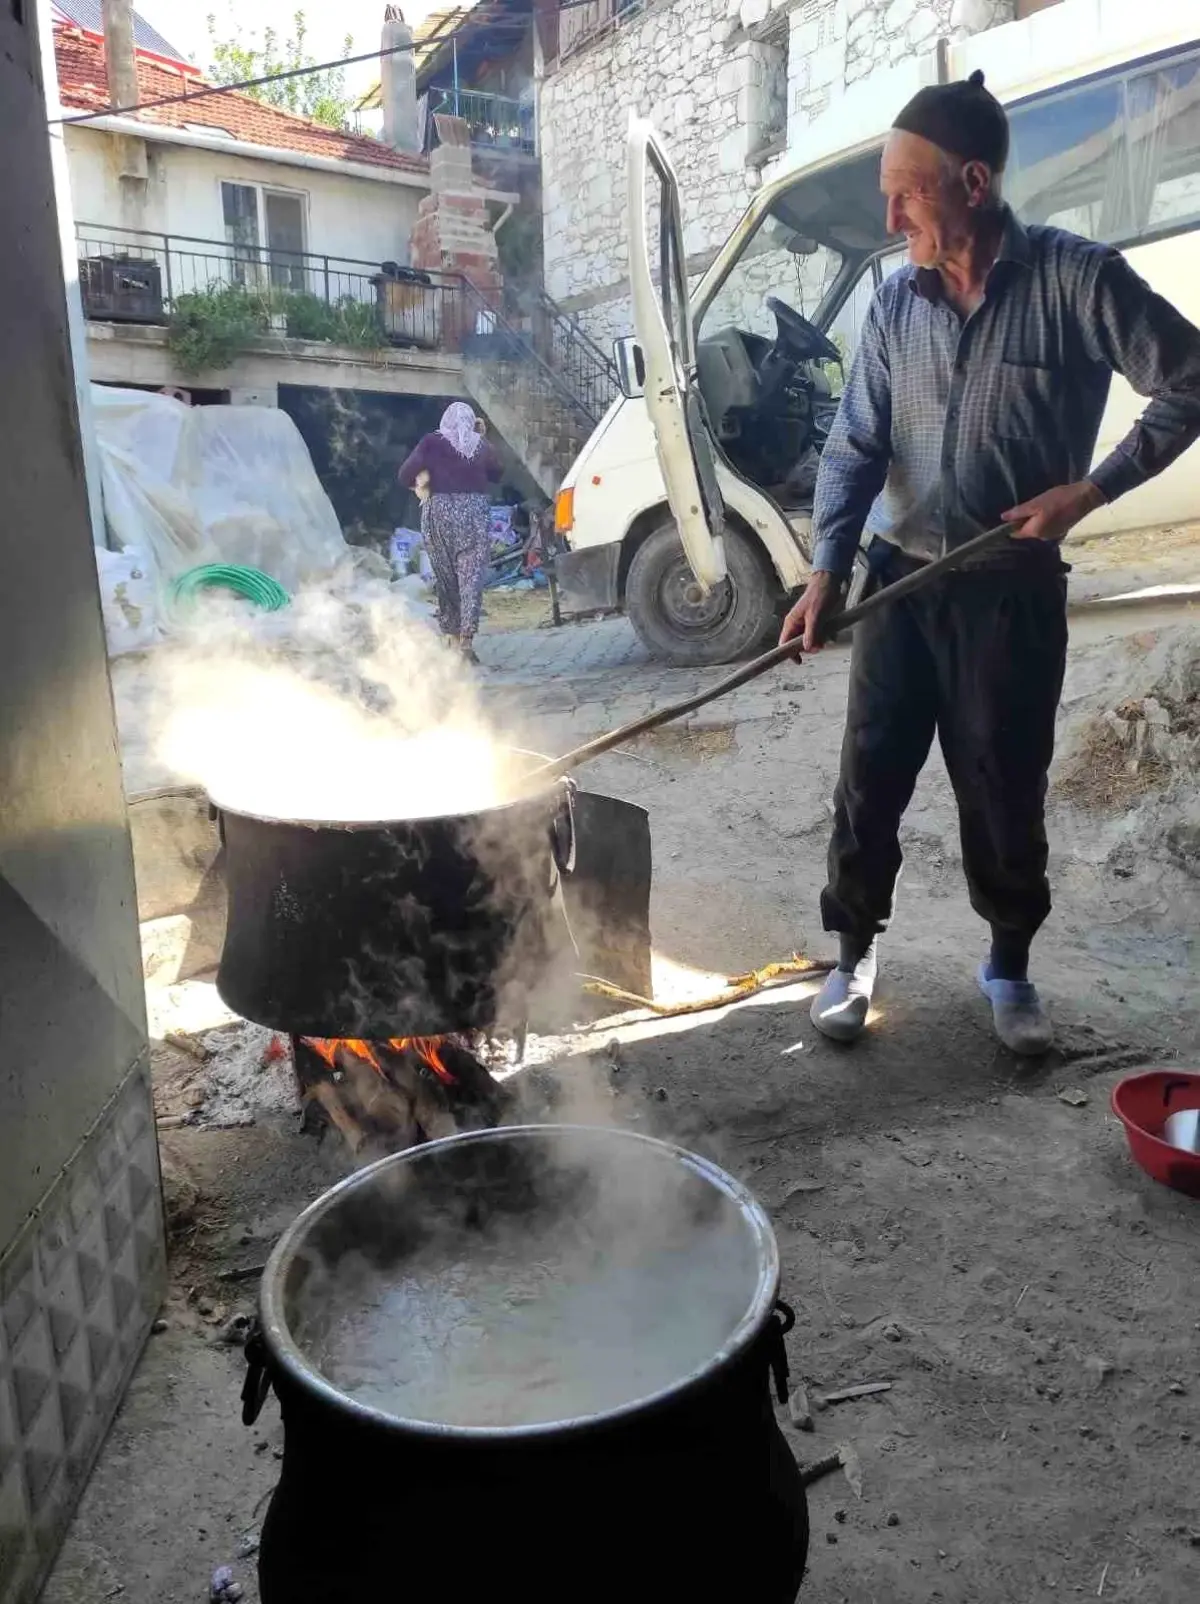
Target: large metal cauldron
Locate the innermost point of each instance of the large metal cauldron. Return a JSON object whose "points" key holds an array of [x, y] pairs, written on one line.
{"points": [[407, 927], [687, 1496]]}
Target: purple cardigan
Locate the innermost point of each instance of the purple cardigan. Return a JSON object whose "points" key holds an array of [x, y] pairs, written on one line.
{"points": [[450, 474]]}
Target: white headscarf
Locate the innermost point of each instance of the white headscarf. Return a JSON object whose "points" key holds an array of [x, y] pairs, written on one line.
{"points": [[458, 426]]}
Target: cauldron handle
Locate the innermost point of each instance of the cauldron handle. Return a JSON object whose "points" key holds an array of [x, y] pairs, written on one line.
{"points": [[258, 1376], [562, 832], [783, 1318]]}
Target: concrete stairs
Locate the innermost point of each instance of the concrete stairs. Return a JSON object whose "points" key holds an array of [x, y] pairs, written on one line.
{"points": [[543, 431], [542, 384]]}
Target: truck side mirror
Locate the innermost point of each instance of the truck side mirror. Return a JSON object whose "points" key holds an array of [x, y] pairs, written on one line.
{"points": [[631, 367]]}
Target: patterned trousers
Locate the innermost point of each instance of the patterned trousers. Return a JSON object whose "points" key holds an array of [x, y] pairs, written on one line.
{"points": [[456, 537]]}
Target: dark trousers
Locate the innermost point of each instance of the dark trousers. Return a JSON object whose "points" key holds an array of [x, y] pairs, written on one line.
{"points": [[980, 659]]}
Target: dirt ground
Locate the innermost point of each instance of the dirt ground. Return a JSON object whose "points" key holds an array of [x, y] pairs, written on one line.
{"points": [[516, 609], [948, 1222]]}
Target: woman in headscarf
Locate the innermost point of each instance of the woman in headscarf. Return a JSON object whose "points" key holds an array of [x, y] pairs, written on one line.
{"points": [[458, 467]]}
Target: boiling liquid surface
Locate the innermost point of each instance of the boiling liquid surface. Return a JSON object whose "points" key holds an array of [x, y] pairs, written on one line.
{"points": [[529, 1327]]}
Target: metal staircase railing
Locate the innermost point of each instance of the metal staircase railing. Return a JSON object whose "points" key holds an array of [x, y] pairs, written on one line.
{"points": [[558, 338], [502, 345]]}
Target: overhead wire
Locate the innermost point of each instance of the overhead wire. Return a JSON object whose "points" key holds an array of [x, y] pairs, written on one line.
{"points": [[210, 90], [489, 15]]}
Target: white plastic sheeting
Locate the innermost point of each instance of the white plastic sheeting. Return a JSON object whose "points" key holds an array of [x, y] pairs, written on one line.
{"points": [[129, 601], [191, 485]]}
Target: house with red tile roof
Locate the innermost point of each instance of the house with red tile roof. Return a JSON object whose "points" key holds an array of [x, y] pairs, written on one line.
{"points": [[187, 192], [228, 172]]}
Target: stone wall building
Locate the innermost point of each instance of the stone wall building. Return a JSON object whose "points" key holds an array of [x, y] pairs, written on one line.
{"points": [[728, 84]]}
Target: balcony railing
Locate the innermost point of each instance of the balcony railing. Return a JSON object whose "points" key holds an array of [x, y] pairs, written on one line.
{"points": [[494, 120], [132, 276]]}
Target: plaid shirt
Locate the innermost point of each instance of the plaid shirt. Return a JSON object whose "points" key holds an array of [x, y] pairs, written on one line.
{"points": [[945, 424]]}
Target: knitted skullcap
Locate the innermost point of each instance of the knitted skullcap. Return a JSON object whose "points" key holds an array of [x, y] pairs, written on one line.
{"points": [[963, 118]]}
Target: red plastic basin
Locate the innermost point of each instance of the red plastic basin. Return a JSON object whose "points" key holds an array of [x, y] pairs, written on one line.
{"points": [[1143, 1103]]}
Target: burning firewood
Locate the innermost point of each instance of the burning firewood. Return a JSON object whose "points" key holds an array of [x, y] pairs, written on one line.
{"points": [[385, 1096], [383, 1109], [323, 1095]]}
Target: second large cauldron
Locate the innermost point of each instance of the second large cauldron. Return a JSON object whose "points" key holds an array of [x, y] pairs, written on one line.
{"points": [[687, 1494], [410, 927]]}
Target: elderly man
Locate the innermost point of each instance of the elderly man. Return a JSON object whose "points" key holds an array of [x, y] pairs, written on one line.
{"points": [[975, 398]]}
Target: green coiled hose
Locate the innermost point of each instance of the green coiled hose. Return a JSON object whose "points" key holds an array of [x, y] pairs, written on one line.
{"points": [[252, 583]]}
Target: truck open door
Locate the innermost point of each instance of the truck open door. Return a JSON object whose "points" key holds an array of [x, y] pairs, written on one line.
{"points": [[662, 318]]}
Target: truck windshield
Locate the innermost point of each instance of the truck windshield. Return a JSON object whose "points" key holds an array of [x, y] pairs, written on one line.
{"points": [[776, 261]]}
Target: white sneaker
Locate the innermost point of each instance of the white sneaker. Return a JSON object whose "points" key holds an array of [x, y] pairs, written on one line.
{"points": [[840, 1008]]}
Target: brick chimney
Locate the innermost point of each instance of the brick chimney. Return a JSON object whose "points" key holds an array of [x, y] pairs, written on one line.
{"points": [[398, 84], [451, 234]]}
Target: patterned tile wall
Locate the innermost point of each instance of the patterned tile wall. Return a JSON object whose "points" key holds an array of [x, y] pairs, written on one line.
{"points": [[78, 1290]]}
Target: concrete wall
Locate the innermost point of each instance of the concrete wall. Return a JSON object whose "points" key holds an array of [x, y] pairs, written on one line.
{"points": [[723, 81], [129, 354], [82, 1265], [347, 216]]}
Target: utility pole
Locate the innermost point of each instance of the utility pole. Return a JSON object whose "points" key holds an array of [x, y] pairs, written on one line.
{"points": [[120, 59], [120, 62]]}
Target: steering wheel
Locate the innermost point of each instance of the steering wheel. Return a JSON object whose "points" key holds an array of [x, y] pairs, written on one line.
{"points": [[797, 338]]}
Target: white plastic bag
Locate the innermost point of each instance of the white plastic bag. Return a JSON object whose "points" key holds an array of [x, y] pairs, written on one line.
{"points": [[403, 544], [248, 474], [138, 435]]}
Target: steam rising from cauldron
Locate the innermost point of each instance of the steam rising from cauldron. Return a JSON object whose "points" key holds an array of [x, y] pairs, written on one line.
{"points": [[346, 707]]}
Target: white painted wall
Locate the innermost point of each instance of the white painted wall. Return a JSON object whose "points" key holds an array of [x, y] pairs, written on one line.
{"points": [[346, 215]]}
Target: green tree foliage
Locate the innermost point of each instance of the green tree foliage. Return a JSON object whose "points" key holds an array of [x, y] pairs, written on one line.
{"points": [[319, 95]]}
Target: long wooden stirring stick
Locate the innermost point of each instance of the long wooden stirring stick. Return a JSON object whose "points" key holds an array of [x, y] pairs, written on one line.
{"points": [[915, 581]]}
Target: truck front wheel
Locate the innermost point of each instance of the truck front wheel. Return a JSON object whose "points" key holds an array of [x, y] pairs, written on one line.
{"points": [[678, 623]]}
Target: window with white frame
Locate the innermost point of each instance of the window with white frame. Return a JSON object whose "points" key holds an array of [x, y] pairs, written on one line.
{"points": [[767, 58], [266, 230]]}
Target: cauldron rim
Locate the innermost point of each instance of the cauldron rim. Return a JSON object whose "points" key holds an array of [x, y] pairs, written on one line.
{"points": [[543, 793], [545, 790], [287, 1354]]}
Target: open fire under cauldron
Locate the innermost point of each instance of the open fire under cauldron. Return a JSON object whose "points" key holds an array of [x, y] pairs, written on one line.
{"points": [[678, 1489]]}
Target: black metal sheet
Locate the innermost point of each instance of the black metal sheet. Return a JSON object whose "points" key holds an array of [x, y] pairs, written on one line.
{"points": [[606, 891]]}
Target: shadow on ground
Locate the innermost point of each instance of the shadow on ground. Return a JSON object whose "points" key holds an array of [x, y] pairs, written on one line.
{"points": [[949, 1225]]}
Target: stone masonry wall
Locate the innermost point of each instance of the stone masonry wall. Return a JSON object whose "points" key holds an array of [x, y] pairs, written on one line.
{"points": [[835, 43], [720, 79], [678, 64]]}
